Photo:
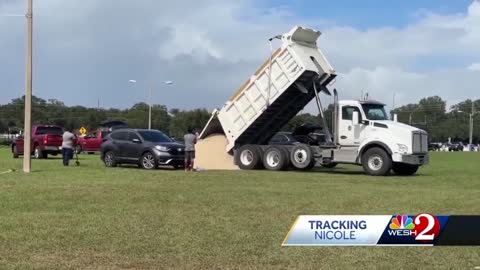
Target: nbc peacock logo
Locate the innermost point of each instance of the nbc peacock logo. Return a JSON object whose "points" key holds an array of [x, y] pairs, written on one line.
{"points": [[402, 222]]}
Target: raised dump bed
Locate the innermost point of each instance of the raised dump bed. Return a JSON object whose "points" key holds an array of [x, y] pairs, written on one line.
{"points": [[266, 102]]}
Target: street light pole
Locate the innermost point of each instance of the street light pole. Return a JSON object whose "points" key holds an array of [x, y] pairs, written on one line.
{"points": [[28, 92], [150, 104], [150, 107], [471, 124]]}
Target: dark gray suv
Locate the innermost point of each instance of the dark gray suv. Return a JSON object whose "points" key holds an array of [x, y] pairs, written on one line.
{"points": [[146, 148]]}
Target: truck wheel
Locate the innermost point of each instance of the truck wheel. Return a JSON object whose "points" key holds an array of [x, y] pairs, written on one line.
{"points": [[249, 157], [275, 159], [15, 151], [109, 159], [37, 153], [376, 162], [301, 157], [404, 168]]}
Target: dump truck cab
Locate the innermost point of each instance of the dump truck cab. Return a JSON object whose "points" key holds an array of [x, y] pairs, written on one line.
{"points": [[364, 125]]}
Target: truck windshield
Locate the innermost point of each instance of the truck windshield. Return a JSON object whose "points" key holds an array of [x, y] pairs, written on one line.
{"points": [[49, 130], [154, 136], [375, 112]]}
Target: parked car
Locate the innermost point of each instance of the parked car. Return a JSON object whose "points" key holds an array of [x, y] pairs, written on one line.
{"points": [[146, 148], [434, 146], [455, 146], [45, 140], [302, 134], [92, 142]]}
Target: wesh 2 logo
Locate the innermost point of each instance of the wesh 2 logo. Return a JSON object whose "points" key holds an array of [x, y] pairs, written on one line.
{"points": [[424, 226]]}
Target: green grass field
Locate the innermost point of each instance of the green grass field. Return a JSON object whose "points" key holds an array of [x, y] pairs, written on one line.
{"points": [[92, 217]]}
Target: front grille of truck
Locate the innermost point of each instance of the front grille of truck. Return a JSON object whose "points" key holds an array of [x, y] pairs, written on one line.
{"points": [[419, 142]]}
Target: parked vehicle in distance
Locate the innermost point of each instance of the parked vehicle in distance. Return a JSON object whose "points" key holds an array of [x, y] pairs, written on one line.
{"points": [[45, 140], [146, 148], [455, 146], [301, 134], [92, 142], [434, 146]]}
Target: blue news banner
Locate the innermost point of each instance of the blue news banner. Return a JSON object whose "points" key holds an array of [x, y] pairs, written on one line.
{"points": [[384, 230]]}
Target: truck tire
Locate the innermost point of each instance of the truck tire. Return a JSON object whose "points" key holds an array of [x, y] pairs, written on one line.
{"points": [[37, 153], [376, 162], [275, 158], [404, 168], [249, 157], [15, 151], [301, 157], [109, 159]]}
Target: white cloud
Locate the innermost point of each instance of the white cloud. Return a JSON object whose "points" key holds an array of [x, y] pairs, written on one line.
{"points": [[209, 48], [474, 67]]}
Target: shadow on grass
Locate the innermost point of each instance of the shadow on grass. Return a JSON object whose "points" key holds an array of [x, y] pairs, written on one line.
{"points": [[136, 167]]}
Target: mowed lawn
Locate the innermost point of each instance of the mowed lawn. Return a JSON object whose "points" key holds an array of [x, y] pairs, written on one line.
{"points": [[92, 217]]}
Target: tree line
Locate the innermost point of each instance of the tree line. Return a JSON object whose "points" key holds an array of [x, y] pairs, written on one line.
{"points": [[429, 113]]}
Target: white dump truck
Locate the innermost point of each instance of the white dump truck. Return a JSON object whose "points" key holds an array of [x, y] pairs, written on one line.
{"points": [[295, 74]]}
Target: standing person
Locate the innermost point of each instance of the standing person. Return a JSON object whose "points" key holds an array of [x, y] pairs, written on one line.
{"points": [[68, 143], [190, 140]]}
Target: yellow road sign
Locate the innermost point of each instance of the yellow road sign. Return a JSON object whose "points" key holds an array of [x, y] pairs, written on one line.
{"points": [[83, 131]]}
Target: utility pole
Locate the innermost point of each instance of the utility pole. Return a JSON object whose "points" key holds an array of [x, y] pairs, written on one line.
{"points": [[28, 93], [150, 107], [471, 123]]}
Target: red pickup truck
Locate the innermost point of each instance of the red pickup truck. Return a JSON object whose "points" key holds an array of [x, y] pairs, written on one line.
{"points": [[91, 142], [46, 139]]}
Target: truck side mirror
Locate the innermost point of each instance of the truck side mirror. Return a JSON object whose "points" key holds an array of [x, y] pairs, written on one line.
{"points": [[355, 118]]}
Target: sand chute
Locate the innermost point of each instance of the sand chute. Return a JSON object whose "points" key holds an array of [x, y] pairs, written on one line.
{"points": [[211, 155], [211, 151]]}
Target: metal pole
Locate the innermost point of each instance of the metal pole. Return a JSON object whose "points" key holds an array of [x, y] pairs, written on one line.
{"points": [[28, 93], [471, 124], [150, 108]]}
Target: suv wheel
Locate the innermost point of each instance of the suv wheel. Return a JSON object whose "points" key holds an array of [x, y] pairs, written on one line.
{"points": [[148, 161], [109, 159], [376, 162]]}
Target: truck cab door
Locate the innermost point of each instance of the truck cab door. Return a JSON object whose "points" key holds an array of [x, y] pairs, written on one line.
{"points": [[93, 142], [349, 135]]}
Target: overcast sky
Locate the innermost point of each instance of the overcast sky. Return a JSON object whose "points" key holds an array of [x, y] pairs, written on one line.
{"points": [[85, 50]]}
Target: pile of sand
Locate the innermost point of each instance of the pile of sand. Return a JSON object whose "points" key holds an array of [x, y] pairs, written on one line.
{"points": [[210, 154]]}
